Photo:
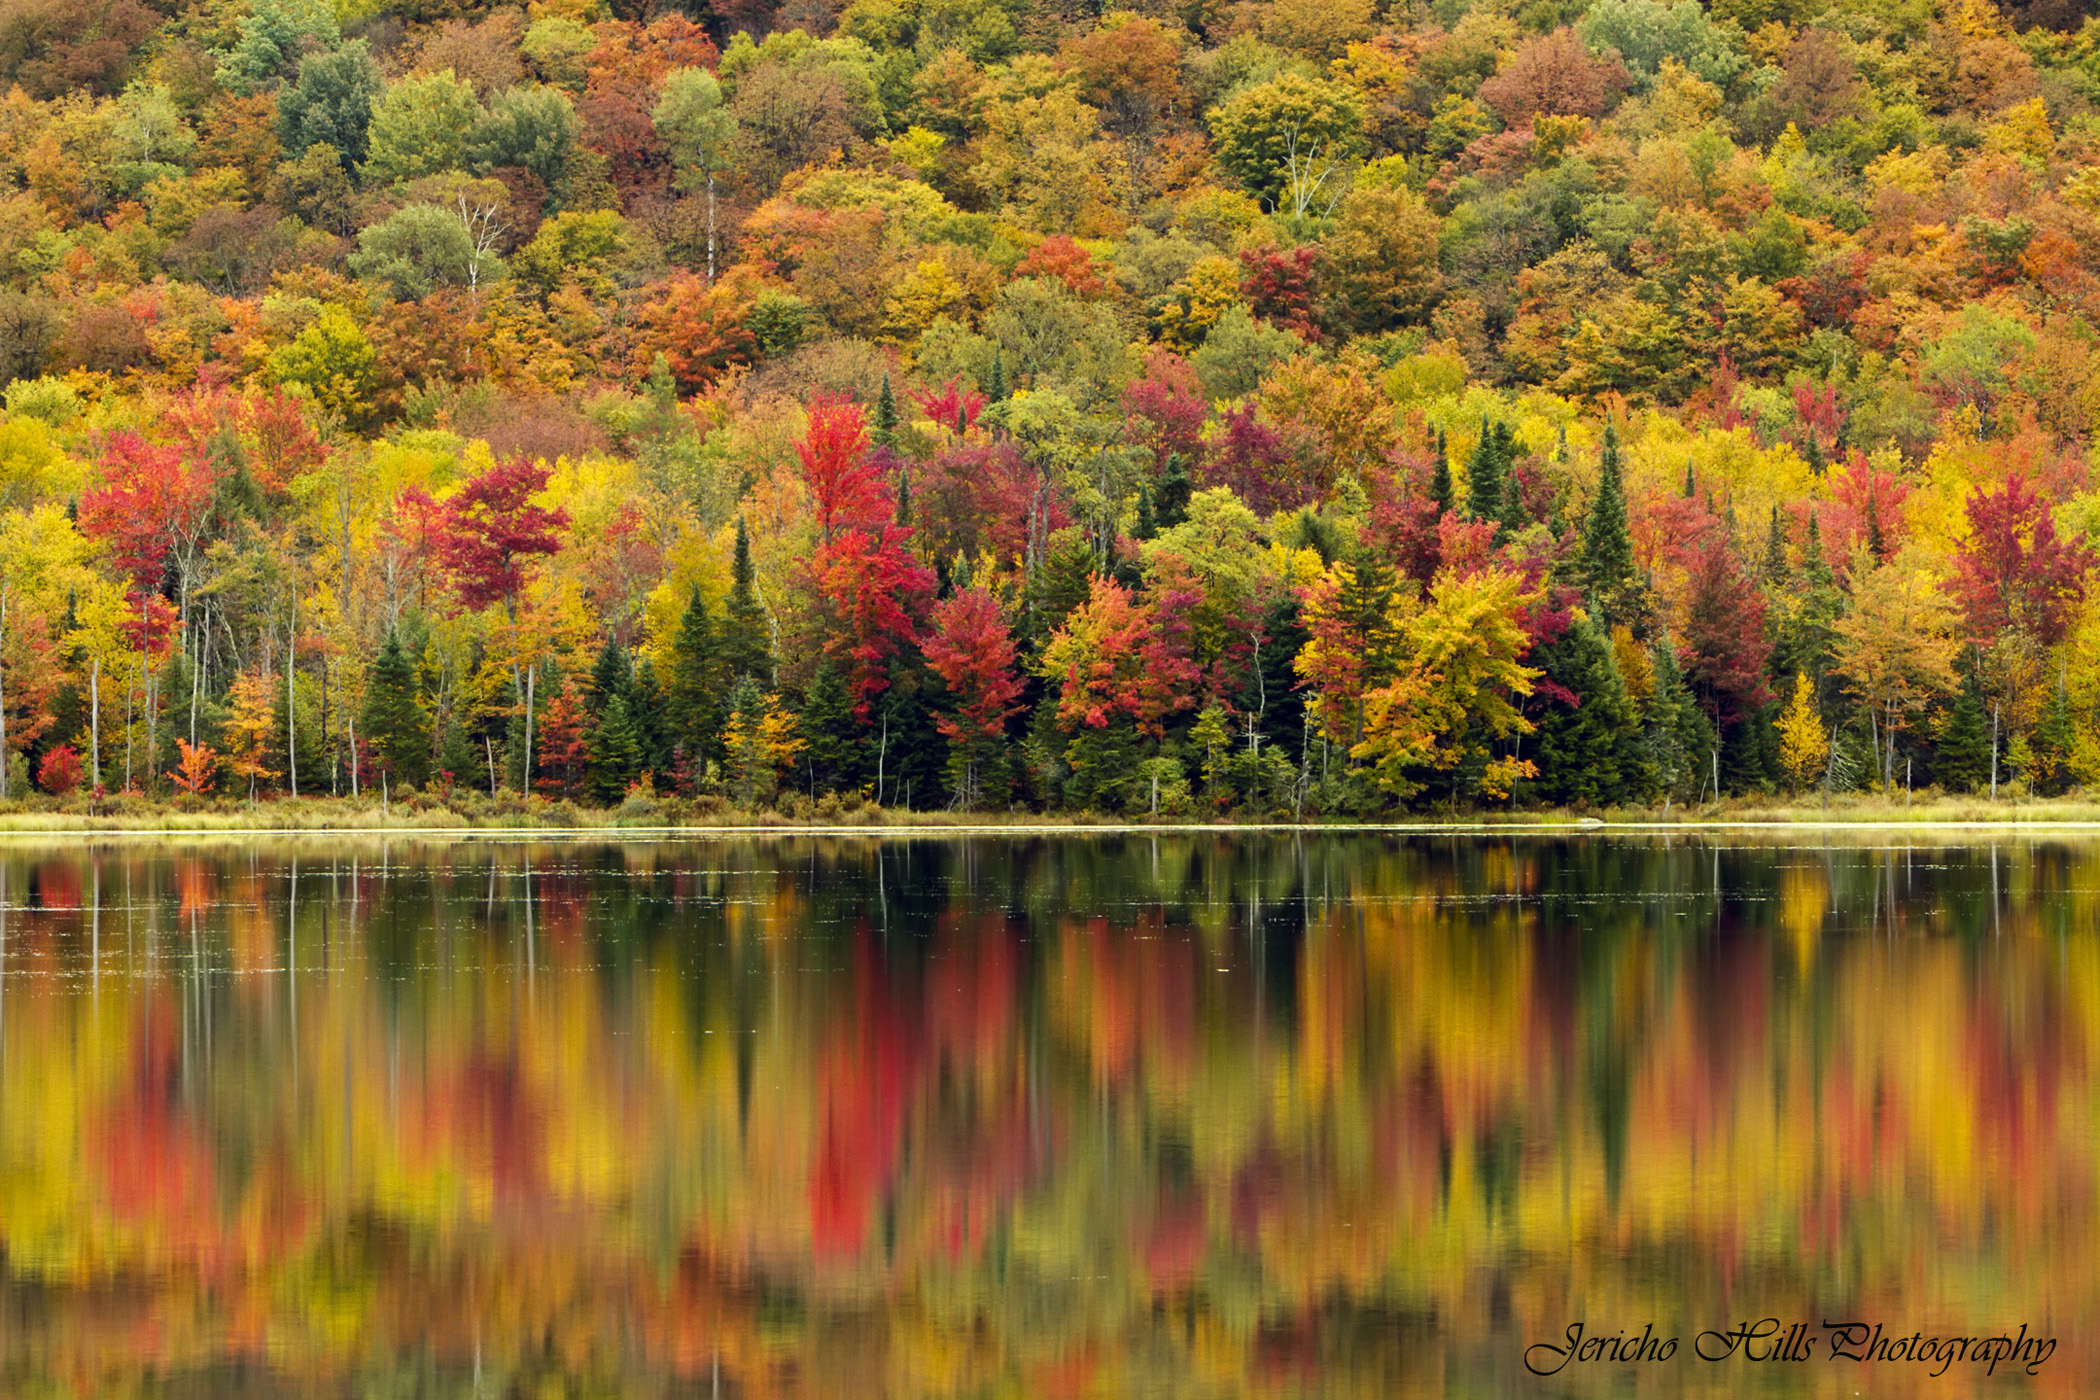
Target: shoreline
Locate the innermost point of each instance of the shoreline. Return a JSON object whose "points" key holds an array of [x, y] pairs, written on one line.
{"points": [[336, 817]]}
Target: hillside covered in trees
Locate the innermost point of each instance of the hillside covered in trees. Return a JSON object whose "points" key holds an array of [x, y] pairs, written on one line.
{"points": [[1303, 407]]}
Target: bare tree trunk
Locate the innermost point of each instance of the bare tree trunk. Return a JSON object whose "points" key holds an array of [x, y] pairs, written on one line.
{"points": [[95, 722], [291, 695], [532, 673]]}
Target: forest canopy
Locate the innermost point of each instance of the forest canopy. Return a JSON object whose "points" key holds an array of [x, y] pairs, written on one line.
{"points": [[1301, 407]]}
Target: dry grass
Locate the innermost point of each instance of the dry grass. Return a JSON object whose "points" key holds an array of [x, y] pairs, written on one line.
{"points": [[464, 813]]}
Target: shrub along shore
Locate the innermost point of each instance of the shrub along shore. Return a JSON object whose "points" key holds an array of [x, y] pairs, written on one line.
{"points": [[464, 811]]}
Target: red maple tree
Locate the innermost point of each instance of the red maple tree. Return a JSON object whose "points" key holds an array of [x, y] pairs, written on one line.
{"points": [[2014, 573], [491, 528], [845, 485], [972, 651]]}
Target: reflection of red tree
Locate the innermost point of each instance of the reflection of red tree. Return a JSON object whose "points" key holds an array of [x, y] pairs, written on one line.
{"points": [[490, 1114], [864, 1083], [156, 1166]]}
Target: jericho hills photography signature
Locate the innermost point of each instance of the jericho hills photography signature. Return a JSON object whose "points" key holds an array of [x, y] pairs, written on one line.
{"points": [[1772, 1340]]}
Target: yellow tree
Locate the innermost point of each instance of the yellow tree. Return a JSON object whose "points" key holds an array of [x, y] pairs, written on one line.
{"points": [[1895, 646], [250, 723], [1455, 689], [1803, 746]]}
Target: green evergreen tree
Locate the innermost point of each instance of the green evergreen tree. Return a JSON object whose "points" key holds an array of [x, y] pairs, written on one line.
{"points": [[614, 746], [612, 677], [460, 756], [1485, 469], [1441, 490], [1589, 752], [1817, 463], [904, 498], [747, 646], [652, 726], [694, 684], [1607, 543], [997, 391], [394, 722], [1171, 507], [2052, 742], [1775, 551], [885, 421], [1680, 738], [831, 737], [1961, 760], [1691, 484], [1147, 523]]}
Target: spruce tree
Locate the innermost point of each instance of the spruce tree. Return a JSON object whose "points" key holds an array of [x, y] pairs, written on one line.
{"points": [[612, 677], [652, 727], [1607, 542], [694, 684], [1440, 488], [1513, 515], [1171, 506], [1691, 483], [1961, 761], [747, 647], [997, 391], [394, 722], [1589, 751], [1775, 551], [904, 498], [1680, 738], [1147, 523], [1484, 470], [614, 746], [2052, 741], [1817, 463], [885, 422], [831, 738]]}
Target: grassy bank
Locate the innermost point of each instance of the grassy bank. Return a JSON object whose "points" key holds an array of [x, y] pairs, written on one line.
{"points": [[464, 812]]}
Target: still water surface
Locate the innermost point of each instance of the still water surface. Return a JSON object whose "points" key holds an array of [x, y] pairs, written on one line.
{"points": [[1112, 1115]]}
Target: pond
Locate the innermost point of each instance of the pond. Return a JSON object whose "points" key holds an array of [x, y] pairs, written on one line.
{"points": [[1366, 1114]]}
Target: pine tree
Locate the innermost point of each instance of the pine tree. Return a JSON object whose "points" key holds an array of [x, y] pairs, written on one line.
{"points": [[1817, 463], [1775, 551], [394, 722], [1961, 761], [612, 677], [2052, 742], [1484, 472], [1440, 488], [1607, 543], [1171, 507], [904, 498], [1147, 523], [1513, 515], [615, 749], [693, 684], [1681, 739], [747, 648], [997, 392], [1691, 485], [831, 738], [1589, 751], [885, 422], [652, 728]]}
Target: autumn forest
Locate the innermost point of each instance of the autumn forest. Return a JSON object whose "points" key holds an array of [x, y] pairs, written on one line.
{"points": [[1274, 409]]}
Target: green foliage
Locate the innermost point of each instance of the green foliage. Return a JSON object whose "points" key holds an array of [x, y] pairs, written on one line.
{"points": [[330, 104], [1286, 140], [332, 362], [394, 722], [422, 126], [274, 36], [529, 126], [422, 248]]}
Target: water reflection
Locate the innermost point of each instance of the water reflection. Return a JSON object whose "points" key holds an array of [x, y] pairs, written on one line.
{"points": [[1118, 1116]]}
